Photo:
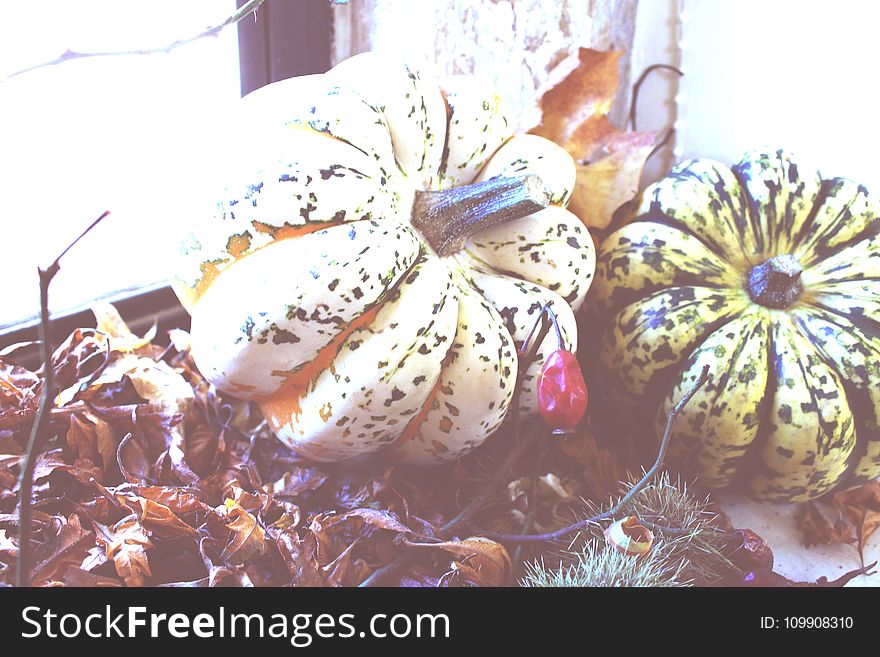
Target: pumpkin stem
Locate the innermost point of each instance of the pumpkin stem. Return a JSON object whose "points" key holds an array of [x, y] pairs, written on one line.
{"points": [[449, 218], [776, 283]]}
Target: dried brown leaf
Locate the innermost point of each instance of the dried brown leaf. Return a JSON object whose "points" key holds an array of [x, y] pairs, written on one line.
{"points": [[480, 561], [603, 470], [68, 543], [177, 499], [814, 528], [126, 543], [19, 394], [53, 461], [299, 557], [372, 517], [110, 323], [572, 112], [296, 481], [78, 362], [157, 517], [861, 506], [248, 538], [574, 115], [132, 461], [611, 177], [75, 576]]}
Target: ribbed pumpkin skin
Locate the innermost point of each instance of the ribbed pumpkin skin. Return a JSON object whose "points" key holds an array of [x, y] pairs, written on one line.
{"points": [[792, 407], [312, 294]]}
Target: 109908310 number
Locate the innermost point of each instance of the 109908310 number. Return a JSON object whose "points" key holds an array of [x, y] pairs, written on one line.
{"points": [[817, 622]]}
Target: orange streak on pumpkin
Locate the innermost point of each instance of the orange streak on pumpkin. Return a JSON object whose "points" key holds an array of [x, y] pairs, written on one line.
{"points": [[284, 403], [237, 245], [414, 426], [238, 248]]}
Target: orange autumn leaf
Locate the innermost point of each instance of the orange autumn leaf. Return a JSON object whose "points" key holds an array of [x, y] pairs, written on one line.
{"points": [[574, 115], [612, 179], [480, 561], [156, 516], [126, 543]]}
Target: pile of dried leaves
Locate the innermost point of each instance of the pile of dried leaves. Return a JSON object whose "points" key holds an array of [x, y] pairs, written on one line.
{"points": [[153, 478]]}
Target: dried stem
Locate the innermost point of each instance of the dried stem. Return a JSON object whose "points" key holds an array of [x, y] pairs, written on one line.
{"points": [[532, 502], [39, 433], [70, 55], [448, 218], [635, 490], [634, 103]]}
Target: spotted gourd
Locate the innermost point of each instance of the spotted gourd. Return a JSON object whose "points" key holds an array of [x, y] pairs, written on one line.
{"points": [[382, 245], [771, 276]]}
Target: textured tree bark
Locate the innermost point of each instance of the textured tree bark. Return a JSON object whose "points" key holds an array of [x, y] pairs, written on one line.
{"points": [[517, 45]]}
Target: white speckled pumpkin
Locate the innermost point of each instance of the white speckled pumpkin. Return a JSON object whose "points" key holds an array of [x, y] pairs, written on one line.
{"points": [[379, 251]]}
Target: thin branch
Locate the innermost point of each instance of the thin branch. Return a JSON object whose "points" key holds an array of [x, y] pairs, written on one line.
{"points": [[635, 490], [634, 103], [70, 55], [532, 501], [39, 430]]}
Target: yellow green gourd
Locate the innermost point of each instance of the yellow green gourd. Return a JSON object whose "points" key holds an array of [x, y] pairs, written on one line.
{"points": [[770, 275]]}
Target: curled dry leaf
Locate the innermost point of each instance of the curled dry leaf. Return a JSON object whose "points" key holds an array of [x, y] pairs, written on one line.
{"points": [[19, 394], [53, 461], [479, 561], [111, 324], [75, 576], [861, 506], [93, 438], [157, 517], [296, 481], [629, 537], [177, 499], [372, 517], [221, 574], [248, 538], [126, 544], [299, 557], [68, 543], [816, 530], [574, 115], [132, 461]]}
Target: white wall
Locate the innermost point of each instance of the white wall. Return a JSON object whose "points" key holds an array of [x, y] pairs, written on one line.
{"points": [[798, 74]]}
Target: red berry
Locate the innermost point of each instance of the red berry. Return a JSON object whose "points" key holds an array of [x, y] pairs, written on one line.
{"points": [[562, 392]]}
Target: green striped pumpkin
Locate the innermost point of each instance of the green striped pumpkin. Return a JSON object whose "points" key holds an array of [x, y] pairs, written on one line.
{"points": [[771, 276]]}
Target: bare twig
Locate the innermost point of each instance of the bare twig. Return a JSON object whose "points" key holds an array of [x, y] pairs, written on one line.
{"points": [[532, 501], [70, 55], [635, 490], [39, 432], [634, 103]]}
